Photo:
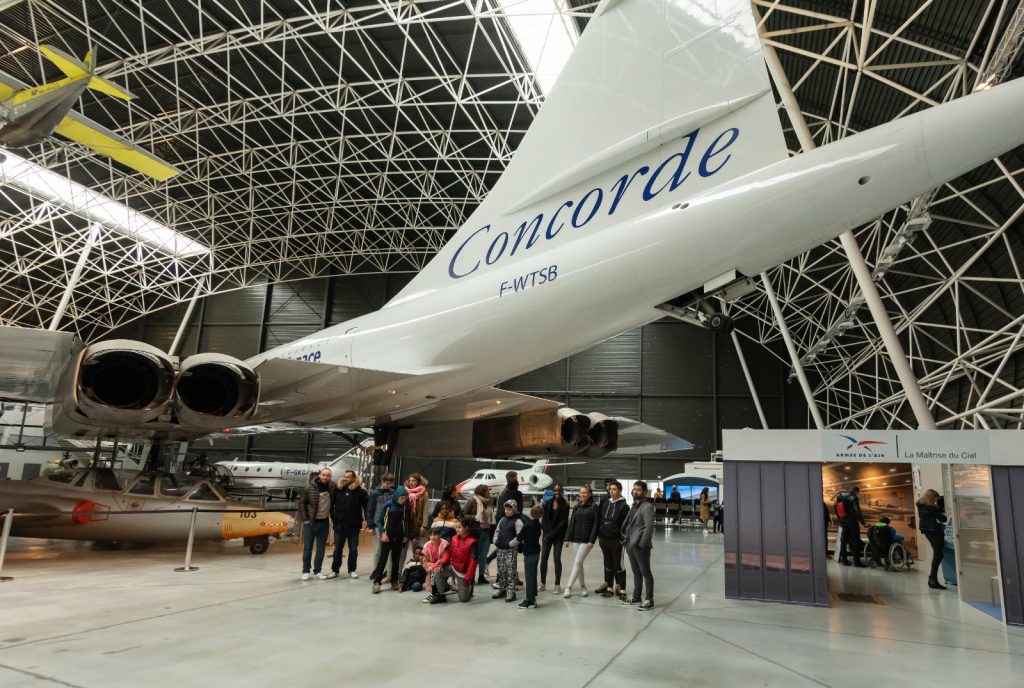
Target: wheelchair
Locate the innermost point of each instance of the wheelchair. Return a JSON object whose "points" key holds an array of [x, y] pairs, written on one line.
{"points": [[880, 550]]}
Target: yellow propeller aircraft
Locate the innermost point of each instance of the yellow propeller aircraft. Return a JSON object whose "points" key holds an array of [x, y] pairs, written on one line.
{"points": [[30, 114]]}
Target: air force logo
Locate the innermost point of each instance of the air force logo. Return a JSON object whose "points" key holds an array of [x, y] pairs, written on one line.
{"points": [[861, 444]]}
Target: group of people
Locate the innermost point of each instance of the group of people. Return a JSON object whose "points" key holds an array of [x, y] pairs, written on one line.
{"points": [[452, 546], [931, 521], [710, 511]]}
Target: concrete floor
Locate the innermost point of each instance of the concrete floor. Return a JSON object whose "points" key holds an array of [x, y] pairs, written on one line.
{"points": [[75, 616]]}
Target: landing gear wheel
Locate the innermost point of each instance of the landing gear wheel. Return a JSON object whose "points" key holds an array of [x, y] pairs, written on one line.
{"points": [[259, 546], [720, 323]]}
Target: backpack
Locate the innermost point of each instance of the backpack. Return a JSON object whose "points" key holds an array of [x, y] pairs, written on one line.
{"points": [[843, 508]]}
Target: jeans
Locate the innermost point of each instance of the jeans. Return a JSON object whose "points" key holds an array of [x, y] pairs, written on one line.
{"points": [[376, 550], [343, 534], [530, 564], [579, 554], [317, 530], [851, 539], [483, 544], [640, 562], [551, 547], [937, 541], [392, 549], [440, 580], [614, 573]]}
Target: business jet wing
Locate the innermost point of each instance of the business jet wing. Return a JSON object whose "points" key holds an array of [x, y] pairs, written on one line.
{"points": [[31, 362]]}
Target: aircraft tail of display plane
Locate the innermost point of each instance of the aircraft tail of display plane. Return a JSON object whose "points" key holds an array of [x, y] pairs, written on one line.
{"points": [[30, 114], [656, 165]]}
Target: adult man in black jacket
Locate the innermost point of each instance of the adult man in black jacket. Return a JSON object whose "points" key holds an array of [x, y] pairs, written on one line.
{"points": [[349, 515], [609, 536], [850, 518]]}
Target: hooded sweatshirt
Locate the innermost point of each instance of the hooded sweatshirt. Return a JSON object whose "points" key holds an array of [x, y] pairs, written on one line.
{"points": [[613, 515], [396, 519], [349, 504]]}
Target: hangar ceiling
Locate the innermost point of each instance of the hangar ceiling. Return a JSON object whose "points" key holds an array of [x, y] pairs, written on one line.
{"points": [[318, 138]]}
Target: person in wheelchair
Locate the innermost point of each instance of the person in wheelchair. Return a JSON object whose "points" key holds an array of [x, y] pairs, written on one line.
{"points": [[885, 545]]}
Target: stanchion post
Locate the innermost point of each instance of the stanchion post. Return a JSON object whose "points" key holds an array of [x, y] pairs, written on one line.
{"points": [[188, 568], [8, 520]]}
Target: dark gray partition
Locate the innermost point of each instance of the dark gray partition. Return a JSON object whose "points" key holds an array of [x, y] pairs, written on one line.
{"points": [[1007, 490], [774, 535]]}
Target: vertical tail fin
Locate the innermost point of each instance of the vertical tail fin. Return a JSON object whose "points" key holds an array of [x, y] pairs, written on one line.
{"points": [[659, 101], [76, 69]]}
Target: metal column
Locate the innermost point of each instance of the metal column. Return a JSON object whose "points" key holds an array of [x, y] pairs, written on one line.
{"points": [[860, 269], [90, 241], [184, 321]]}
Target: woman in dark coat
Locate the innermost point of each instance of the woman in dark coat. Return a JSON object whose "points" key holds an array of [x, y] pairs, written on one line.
{"points": [[931, 521]]}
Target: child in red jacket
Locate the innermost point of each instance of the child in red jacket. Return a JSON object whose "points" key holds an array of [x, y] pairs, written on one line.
{"points": [[460, 567]]}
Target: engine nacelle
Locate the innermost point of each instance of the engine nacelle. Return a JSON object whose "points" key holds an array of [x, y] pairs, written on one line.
{"points": [[534, 433], [215, 391], [120, 382], [603, 434]]}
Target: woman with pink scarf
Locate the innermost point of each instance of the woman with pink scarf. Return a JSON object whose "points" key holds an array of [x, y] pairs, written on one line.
{"points": [[419, 501]]}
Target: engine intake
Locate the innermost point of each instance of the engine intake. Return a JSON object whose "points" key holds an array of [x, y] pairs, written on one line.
{"points": [[123, 381], [603, 434], [215, 391]]}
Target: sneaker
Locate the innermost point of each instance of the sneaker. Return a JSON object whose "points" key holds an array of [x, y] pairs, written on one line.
{"points": [[429, 599], [568, 593], [601, 588], [495, 586], [511, 597], [396, 586], [527, 604], [705, 531], [376, 588], [321, 576], [498, 594], [438, 599], [645, 606], [332, 574], [607, 593], [305, 576], [541, 588], [629, 601], [558, 589], [353, 575], [583, 591]]}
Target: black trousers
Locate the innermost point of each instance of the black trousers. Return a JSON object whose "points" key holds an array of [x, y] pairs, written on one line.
{"points": [[640, 562], [551, 546], [937, 541], [851, 539], [614, 573], [392, 549]]}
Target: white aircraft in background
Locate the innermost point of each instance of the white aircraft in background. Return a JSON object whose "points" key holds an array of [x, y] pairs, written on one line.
{"points": [[656, 165], [532, 481], [279, 477]]}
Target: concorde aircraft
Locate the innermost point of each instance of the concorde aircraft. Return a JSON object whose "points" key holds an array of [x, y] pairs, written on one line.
{"points": [[680, 177], [30, 114]]}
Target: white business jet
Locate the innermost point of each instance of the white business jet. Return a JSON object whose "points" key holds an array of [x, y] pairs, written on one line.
{"points": [[285, 478], [656, 165]]}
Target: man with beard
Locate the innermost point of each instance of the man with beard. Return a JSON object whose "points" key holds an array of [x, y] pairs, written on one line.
{"points": [[348, 513]]}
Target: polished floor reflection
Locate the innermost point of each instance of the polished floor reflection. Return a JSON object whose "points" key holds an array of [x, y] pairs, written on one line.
{"points": [[75, 616]]}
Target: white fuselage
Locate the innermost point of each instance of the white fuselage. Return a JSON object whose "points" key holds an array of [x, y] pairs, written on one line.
{"points": [[469, 330]]}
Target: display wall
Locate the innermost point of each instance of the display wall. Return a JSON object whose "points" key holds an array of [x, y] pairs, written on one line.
{"points": [[669, 374]]}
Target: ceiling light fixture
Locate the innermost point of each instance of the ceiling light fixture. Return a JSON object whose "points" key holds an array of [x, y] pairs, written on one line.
{"points": [[59, 190]]}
